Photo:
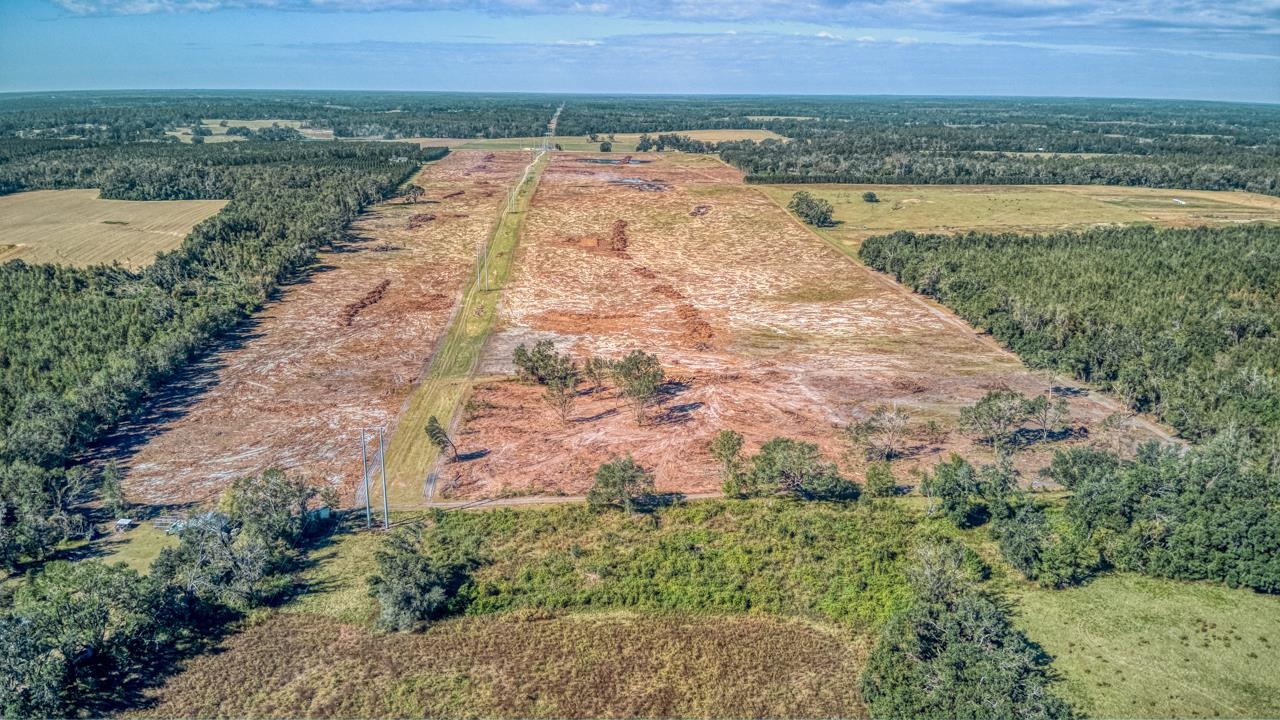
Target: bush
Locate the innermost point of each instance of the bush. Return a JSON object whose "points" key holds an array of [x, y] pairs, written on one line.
{"points": [[880, 480], [411, 587]]}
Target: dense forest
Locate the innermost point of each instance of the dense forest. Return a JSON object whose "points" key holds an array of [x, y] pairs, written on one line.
{"points": [[1184, 323], [80, 347], [1214, 146]]}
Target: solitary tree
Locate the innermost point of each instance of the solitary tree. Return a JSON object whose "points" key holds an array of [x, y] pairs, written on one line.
{"points": [[606, 146], [414, 193], [639, 375], [440, 437], [620, 484], [113, 498], [880, 435], [995, 418], [1047, 413], [596, 369], [870, 197], [561, 386]]}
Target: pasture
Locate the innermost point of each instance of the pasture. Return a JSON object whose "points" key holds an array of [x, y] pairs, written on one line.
{"points": [[218, 129], [1139, 647], [76, 227], [1022, 208]]}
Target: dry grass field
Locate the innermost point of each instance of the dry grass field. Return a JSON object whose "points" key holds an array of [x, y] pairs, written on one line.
{"points": [[1023, 208], [76, 227], [340, 350], [762, 327], [525, 665]]}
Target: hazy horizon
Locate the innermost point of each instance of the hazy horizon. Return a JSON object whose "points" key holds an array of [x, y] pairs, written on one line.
{"points": [[1213, 51]]}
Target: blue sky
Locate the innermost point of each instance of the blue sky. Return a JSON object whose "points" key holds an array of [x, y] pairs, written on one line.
{"points": [[1202, 49]]}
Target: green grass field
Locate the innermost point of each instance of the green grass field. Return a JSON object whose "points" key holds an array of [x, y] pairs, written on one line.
{"points": [[1021, 208], [448, 380], [1132, 646]]}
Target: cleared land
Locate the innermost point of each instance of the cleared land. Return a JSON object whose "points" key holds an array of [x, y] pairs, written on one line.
{"points": [[622, 142], [339, 351], [1131, 646], [1023, 208], [76, 227], [219, 131], [409, 459], [763, 328]]}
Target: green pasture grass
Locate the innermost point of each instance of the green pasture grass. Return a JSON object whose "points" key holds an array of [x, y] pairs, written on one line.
{"points": [[1127, 645]]}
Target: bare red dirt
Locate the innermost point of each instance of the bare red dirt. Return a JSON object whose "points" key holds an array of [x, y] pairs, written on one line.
{"points": [[338, 351], [770, 331]]}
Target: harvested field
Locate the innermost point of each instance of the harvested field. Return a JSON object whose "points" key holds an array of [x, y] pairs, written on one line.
{"points": [[525, 665], [76, 227], [765, 328], [340, 350], [1023, 208]]}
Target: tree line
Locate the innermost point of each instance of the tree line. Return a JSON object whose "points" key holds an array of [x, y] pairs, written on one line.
{"points": [[1184, 323], [81, 347]]}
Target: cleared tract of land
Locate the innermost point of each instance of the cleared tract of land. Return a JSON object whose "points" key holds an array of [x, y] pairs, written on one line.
{"points": [[340, 350], [763, 328], [76, 227], [448, 378]]}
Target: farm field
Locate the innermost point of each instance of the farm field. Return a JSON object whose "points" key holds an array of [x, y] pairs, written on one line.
{"points": [[339, 351], [1133, 646], [1022, 208], [762, 327], [622, 142], [76, 227]]}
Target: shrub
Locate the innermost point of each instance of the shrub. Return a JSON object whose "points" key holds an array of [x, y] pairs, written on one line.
{"points": [[880, 480], [411, 587]]}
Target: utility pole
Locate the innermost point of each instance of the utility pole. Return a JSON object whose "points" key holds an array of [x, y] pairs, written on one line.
{"points": [[364, 471], [382, 460]]}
